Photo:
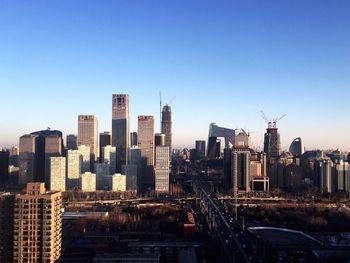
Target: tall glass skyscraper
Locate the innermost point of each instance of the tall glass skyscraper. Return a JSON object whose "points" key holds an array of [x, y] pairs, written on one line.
{"points": [[120, 128]]}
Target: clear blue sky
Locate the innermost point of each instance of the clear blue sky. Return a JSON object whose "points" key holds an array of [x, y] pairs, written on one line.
{"points": [[223, 60]]}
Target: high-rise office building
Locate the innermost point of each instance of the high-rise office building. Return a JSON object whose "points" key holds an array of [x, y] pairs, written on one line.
{"points": [[7, 202], [4, 165], [130, 171], [324, 179], [109, 155], [88, 182], [43, 152], [102, 171], [72, 142], [133, 139], [119, 182], [27, 158], [200, 149], [240, 169], [146, 144], [167, 127], [37, 225], [105, 139], [88, 134], [136, 159], [57, 169], [53, 148], [85, 151], [74, 168], [120, 128], [297, 147], [162, 169]]}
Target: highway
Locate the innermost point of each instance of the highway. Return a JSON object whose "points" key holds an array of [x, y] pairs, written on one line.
{"points": [[237, 245]]}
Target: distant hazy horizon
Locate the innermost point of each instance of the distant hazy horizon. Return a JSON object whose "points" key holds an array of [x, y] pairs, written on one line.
{"points": [[223, 61]]}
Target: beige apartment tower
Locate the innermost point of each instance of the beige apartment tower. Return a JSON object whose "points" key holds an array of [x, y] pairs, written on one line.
{"points": [[162, 169], [88, 133], [37, 225]]}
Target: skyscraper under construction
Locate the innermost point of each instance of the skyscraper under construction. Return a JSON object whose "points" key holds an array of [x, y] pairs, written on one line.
{"points": [[272, 139], [167, 126]]}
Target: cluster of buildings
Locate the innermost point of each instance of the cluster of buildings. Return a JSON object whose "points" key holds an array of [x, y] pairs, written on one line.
{"points": [[117, 160], [245, 169]]}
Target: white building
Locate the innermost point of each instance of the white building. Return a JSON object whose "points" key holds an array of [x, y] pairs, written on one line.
{"points": [[74, 167], [88, 182], [130, 172], [162, 169], [57, 174], [110, 157], [119, 182], [85, 152]]}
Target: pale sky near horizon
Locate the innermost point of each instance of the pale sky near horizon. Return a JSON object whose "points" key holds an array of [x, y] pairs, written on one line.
{"points": [[223, 60]]}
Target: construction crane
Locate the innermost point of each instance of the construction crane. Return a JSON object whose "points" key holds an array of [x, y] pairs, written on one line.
{"points": [[272, 123]]}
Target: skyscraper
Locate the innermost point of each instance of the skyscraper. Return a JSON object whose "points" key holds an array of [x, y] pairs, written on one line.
{"points": [[105, 139], [102, 173], [53, 148], [145, 142], [88, 134], [272, 142], [162, 169], [136, 159], [133, 139], [130, 171], [57, 169], [240, 169], [4, 165], [120, 128], [297, 147], [37, 225], [167, 127], [27, 158], [200, 149], [74, 168], [72, 142], [323, 178]]}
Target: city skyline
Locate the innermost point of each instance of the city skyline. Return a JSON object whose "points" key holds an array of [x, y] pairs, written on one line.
{"points": [[223, 66]]}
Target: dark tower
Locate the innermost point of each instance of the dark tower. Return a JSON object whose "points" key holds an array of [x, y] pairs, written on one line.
{"points": [[4, 165], [105, 139], [167, 126], [120, 128], [49, 143]]}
